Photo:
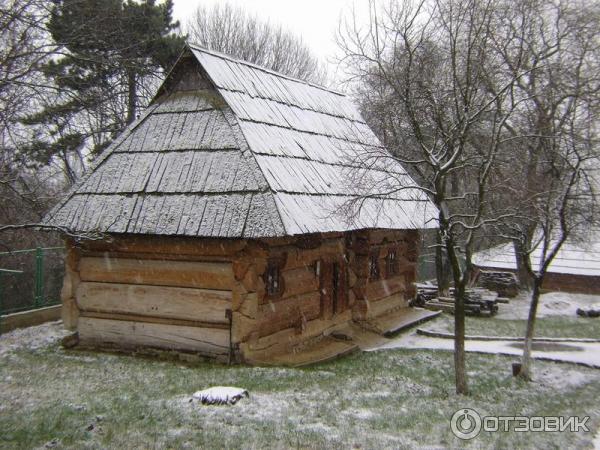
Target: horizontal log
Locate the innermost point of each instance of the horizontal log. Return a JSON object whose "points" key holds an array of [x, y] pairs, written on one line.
{"points": [[299, 240], [167, 245], [379, 307], [288, 313], [286, 340], [154, 319], [295, 282], [278, 241], [158, 301], [126, 334], [378, 236], [157, 256], [204, 275], [384, 288], [297, 257], [299, 281]]}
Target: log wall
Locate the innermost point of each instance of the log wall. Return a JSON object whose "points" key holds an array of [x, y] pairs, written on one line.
{"points": [[302, 312], [210, 296], [163, 293], [375, 296]]}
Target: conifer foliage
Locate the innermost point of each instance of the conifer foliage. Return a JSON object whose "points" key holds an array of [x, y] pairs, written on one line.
{"points": [[111, 54]]}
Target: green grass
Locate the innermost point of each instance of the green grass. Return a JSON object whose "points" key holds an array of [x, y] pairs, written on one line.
{"points": [[385, 399], [553, 326]]}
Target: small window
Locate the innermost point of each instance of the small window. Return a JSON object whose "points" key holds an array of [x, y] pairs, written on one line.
{"points": [[392, 268], [273, 279], [374, 267]]}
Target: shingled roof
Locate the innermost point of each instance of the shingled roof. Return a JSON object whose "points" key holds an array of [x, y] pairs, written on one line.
{"points": [[574, 258], [230, 149]]}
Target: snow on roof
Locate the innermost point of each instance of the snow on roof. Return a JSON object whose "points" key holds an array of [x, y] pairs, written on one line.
{"points": [[573, 258], [243, 152]]}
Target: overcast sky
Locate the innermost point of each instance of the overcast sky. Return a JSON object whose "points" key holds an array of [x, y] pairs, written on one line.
{"points": [[316, 21]]}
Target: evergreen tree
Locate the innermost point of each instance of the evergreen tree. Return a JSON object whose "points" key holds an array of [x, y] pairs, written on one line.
{"points": [[111, 55]]}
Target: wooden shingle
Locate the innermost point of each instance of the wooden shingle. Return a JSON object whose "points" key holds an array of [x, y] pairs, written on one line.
{"points": [[249, 153]]}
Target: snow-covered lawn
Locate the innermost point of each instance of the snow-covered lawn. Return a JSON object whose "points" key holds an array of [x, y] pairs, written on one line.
{"points": [[557, 319], [399, 398], [32, 338], [551, 304], [587, 353]]}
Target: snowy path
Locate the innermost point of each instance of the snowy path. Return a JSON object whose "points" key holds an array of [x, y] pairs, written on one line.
{"points": [[587, 353], [551, 304]]}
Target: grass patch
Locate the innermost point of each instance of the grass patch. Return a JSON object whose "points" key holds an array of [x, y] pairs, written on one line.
{"points": [[553, 326], [384, 399]]}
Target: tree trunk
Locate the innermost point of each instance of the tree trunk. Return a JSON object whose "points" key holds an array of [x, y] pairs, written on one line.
{"points": [[525, 371], [460, 372], [131, 96], [525, 279], [442, 271]]}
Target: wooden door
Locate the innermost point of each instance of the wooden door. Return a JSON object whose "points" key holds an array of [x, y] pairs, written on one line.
{"points": [[334, 287]]}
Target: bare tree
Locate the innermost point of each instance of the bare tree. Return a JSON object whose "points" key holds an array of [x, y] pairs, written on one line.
{"points": [[231, 30], [554, 132], [78, 109], [24, 46], [429, 68], [556, 43]]}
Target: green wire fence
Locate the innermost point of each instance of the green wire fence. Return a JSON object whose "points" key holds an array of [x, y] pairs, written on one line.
{"points": [[30, 279]]}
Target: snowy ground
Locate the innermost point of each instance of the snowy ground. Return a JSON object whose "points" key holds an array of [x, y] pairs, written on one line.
{"points": [[582, 353], [32, 338], [551, 304], [554, 304], [399, 398]]}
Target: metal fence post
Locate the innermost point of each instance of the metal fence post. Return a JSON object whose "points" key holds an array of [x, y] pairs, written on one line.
{"points": [[39, 277]]}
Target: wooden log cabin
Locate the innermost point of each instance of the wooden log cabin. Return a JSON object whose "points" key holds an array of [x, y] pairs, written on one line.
{"points": [[246, 216]]}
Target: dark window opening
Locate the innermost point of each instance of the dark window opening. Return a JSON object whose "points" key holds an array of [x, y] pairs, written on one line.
{"points": [[392, 268], [273, 279], [336, 288], [374, 267]]}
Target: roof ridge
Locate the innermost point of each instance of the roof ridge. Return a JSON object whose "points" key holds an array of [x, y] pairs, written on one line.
{"points": [[264, 69]]}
